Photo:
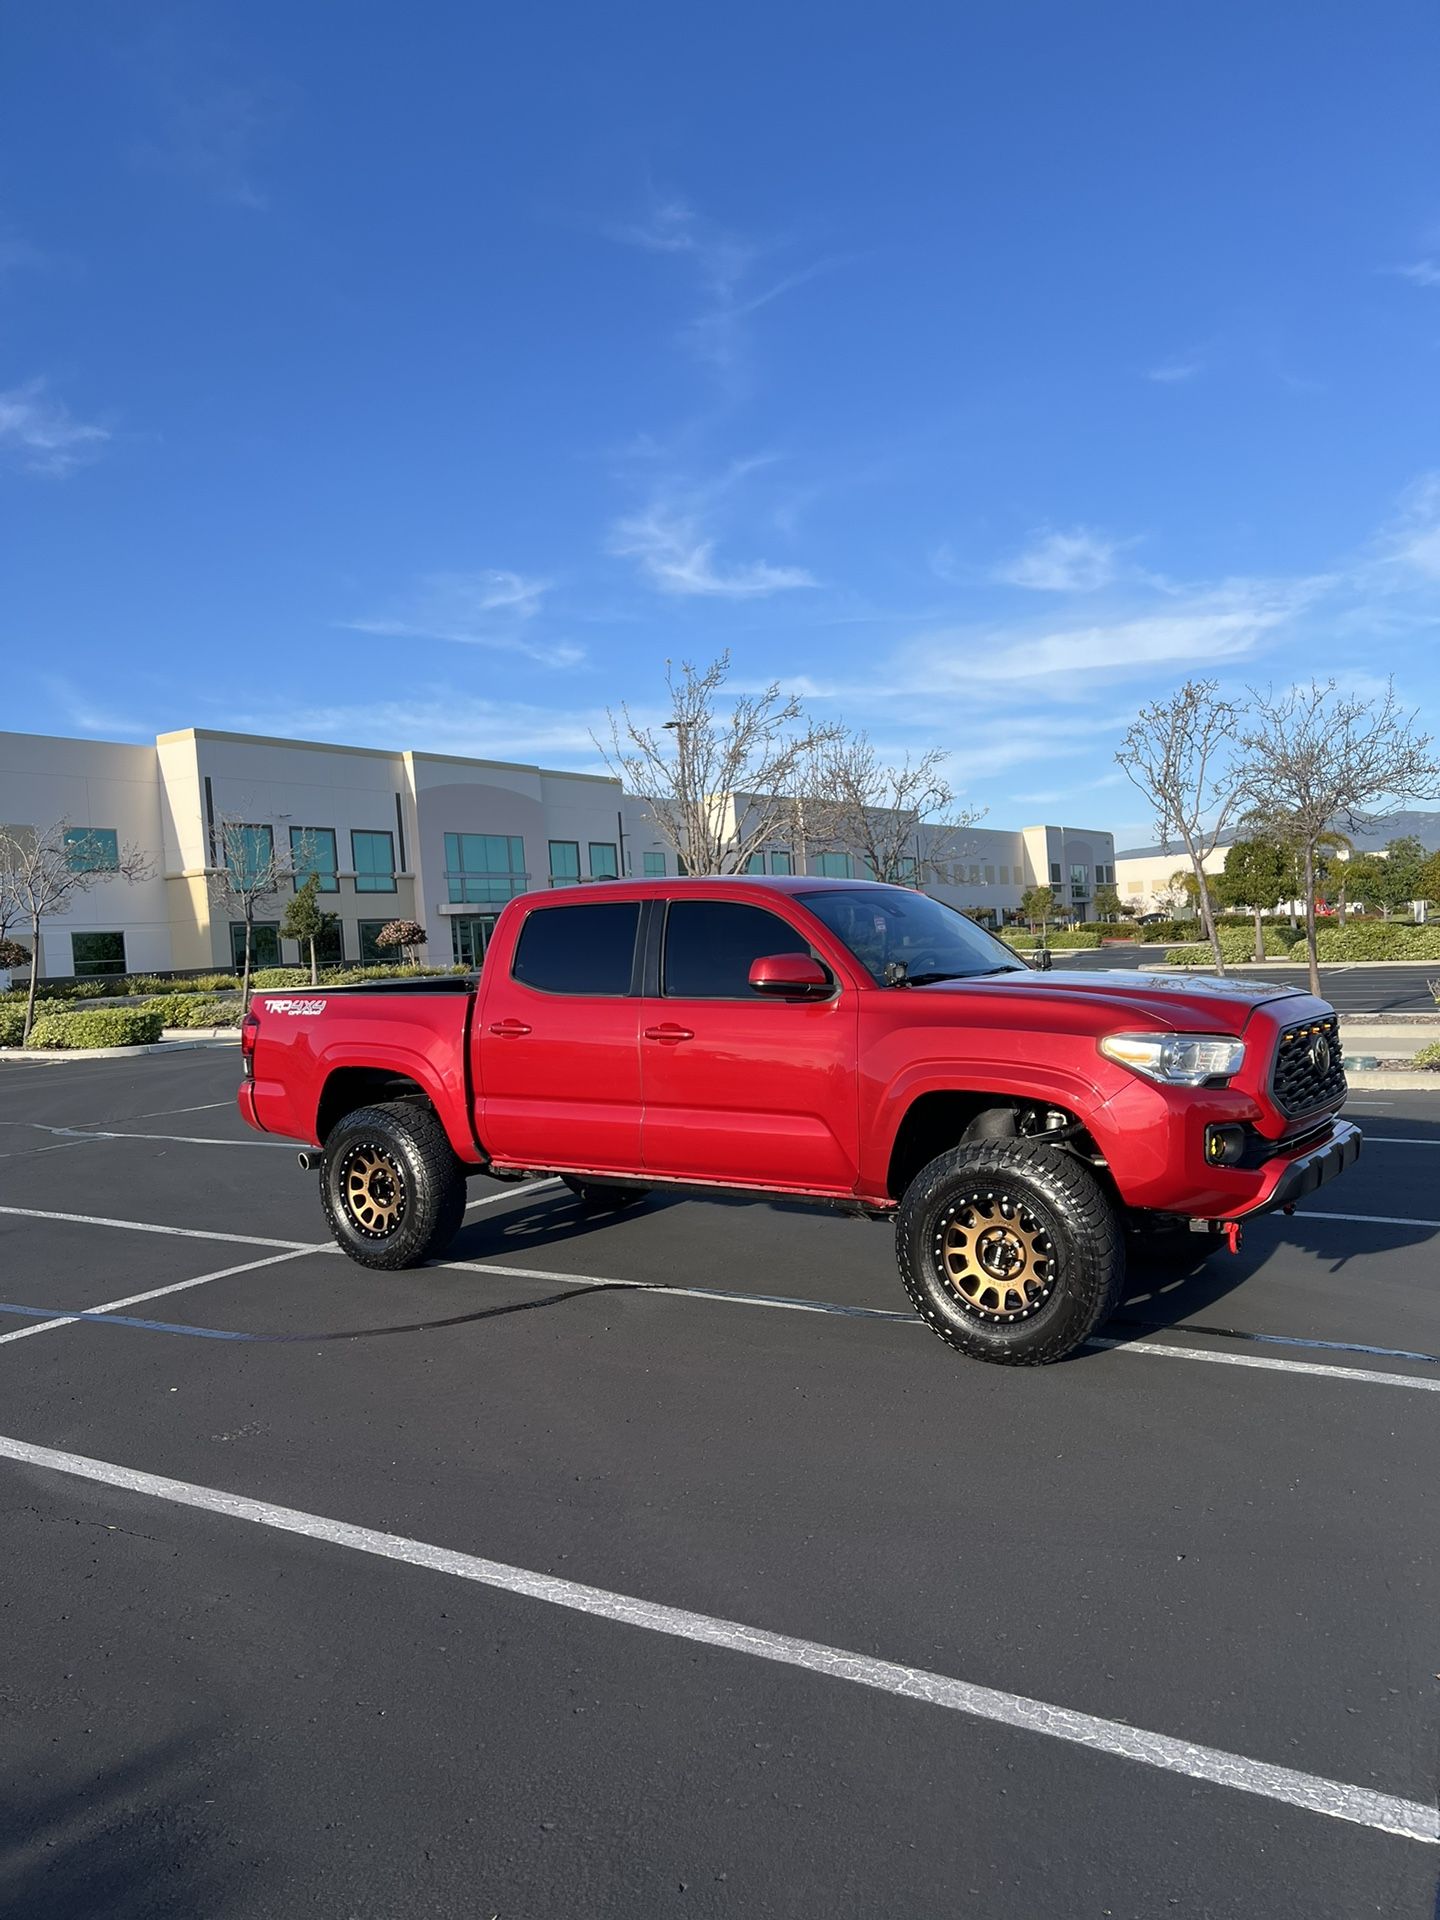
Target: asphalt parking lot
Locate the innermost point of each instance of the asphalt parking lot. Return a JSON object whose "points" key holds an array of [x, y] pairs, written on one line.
{"points": [[1350, 988], [667, 1564]]}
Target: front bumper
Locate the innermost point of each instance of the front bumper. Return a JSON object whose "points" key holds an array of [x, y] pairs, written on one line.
{"points": [[1301, 1176]]}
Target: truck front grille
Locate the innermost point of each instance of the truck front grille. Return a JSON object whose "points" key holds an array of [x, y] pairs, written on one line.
{"points": [[1309, 1071]]}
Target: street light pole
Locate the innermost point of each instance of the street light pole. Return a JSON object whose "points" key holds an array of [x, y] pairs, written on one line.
{"points": [[680, 728]]}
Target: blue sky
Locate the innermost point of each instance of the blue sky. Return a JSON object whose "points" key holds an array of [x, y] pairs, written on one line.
{"points": [[428, 375]]}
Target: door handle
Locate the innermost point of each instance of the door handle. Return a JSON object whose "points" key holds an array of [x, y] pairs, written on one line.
{"points": [[669, 1034], [509, 1029]]}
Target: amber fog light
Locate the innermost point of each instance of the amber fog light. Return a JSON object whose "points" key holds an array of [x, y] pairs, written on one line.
{"points": [[1224, 1145]]}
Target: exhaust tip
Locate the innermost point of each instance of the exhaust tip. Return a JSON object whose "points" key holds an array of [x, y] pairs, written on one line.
{"points": [[309, 1159]]}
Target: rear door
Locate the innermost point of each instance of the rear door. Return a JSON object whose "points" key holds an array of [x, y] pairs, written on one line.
{"points": [[557, 1040], [740, 1088]]}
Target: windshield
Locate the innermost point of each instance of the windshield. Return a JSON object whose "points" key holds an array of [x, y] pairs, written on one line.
{"points": [[883, 926]]}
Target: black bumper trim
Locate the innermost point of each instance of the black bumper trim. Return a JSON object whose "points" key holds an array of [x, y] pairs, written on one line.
{"points": [[1313, 1170]]}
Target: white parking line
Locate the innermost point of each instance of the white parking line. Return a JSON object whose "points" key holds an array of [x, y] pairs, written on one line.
{"points": [[149, 1226], [1364, 1219], [154, 1293], [179, 1139], [1365, 1376], [1311, 1793], [1397, 1140]]}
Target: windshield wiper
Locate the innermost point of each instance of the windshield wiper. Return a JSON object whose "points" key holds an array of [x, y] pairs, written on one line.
{"points": [[976, 973]]}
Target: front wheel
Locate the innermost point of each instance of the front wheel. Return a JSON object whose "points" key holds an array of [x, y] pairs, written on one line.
{"points": [[1010, 1252], [392, 1188]]}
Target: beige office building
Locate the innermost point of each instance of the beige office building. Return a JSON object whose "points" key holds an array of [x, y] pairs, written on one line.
{"points": [[435, 838]]}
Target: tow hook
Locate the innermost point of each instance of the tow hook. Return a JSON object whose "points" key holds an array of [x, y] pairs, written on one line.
{"points": [[1234, 1235]]}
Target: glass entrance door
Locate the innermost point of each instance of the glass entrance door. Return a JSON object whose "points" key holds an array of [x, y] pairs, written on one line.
{"points": [[470, 936]]}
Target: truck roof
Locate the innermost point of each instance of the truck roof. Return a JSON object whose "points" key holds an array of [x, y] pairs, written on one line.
{"points": [[663, 884]]}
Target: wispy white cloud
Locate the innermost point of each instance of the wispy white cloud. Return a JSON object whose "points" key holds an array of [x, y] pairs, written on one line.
{"points": [[1413, 540], [488, 608], [1421, 273], [1226, 624], [211, 138], [93, 717], [1079, 561], [727, 267], [676, 554], [40, 434], [435, 718], [1173, 372]]}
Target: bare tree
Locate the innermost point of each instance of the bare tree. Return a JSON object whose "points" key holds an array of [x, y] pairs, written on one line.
{"points": [[46, 869], [1315, 758], [1179, 753], [876, 808], [722, 785], [247, 870]]}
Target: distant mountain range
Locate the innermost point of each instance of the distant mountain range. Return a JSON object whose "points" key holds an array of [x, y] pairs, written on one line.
{"points": [[1425, 827]]}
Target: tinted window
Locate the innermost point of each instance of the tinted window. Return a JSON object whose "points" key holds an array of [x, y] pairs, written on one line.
{"points": [[896, 934], [587, 950], [709, 945]]}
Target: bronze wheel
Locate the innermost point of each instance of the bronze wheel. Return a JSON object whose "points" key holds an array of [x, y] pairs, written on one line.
{"points": [[372, 1189], [996, 1255]]}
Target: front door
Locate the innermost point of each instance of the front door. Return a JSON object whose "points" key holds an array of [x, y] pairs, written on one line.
{"points": [[556, 1045], [740, 1088]]}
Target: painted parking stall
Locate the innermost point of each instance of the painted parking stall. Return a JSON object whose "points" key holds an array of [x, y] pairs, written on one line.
{"points": [[599, 1407]]}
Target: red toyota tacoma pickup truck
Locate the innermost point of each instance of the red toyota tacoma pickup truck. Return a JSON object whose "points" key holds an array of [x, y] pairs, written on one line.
{"points": [[855, 1044]]}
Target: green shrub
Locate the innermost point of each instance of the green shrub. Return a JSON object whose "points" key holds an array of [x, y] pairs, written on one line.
{"points": [[1429, 1057], [356, 976], [12, 1017], [281, 977], [1236, 943], [98, 1027], [195, 1010], [1379, 940]]}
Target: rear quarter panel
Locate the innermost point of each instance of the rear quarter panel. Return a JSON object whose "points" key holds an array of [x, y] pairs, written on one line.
{"points": [[305, 1037]]}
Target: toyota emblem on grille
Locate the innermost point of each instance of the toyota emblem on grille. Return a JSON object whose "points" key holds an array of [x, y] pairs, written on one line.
{"points": [[1320, 1056]]}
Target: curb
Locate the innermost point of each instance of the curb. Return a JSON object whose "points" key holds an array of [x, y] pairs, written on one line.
{"points": [[1371, 1080], [68, 1056]]}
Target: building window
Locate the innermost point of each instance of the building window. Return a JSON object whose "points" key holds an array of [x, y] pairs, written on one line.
{"points": [[264, 944], [654, 864], [1054, 873], [374, 856], [96, 953], [250, 856], [564, 863], [755, 864], [989, 876], [1004, 876], [587, 949], [485, 866], [470, 936], [92, 850], [603, 863], [312, 851], [780, 862], [370, 954], [834, 866], [1134, 888], [905, 870], [974, 876]]}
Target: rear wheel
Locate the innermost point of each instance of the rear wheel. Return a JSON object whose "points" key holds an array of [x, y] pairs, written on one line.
{"points": [[392, 1188], [602, 1196], [1010, 1252]]}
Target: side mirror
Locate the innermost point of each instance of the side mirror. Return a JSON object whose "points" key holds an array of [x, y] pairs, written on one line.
{"points": [[1044, 960], [790, 976]]}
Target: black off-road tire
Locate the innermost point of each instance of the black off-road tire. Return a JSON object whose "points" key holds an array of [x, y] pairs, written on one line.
{"points": [[391, 1186], [603, 1196], [1051, 1205]]}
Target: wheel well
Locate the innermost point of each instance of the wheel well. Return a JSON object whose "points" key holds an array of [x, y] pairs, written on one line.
{"points": [[936, 1122], [351, 1087]]}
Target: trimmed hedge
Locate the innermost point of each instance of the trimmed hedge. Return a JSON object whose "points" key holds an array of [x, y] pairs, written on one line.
{"points": [[194, 1010], [1379, 940], [281, 977], [1237, 945], [98, 1027], [12, 1017]]}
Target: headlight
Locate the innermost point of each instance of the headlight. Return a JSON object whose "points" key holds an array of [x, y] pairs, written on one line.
{"points": [[1176, 1059]]}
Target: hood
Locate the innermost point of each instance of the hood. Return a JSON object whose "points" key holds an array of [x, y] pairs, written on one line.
{"points": [[1178, 1002]]}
